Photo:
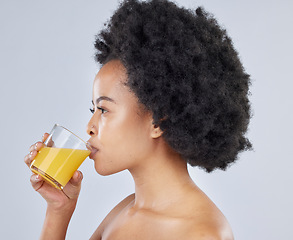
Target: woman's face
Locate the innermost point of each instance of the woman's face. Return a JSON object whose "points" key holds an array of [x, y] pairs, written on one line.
{"points": [[120, 130]]}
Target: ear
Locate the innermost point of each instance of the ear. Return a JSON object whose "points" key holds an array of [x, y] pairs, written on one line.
{"points": [[156, 131]]}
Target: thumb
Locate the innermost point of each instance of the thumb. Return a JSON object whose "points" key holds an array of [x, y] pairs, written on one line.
{"points": [[76, 178], [72, 188]]}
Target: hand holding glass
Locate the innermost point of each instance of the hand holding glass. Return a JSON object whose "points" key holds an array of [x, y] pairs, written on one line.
{"points": [[62, 155]]}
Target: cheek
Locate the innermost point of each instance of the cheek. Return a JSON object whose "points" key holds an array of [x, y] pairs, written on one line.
{"points": [[122, 144], [114, 141], [112, 133], [133, 141], [123, 141], [117, 128]]}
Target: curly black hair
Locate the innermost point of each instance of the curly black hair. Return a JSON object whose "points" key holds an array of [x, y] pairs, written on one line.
{"points": [[183, 68]]}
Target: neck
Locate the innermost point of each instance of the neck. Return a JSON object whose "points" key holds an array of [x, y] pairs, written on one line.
{"points": [[160, 179]]}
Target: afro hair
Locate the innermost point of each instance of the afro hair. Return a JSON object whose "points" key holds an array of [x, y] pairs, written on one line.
{"points": [[183, 68]]}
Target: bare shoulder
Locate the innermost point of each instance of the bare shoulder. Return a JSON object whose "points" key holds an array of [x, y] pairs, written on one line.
{"points": [[206, 220], [209, 232], [111, 215]]}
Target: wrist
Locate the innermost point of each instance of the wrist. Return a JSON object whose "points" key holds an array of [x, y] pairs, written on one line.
{"points": [[61, 209]]}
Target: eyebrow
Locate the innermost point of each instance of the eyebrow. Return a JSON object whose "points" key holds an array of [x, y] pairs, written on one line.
{"points": [[104, 98]]}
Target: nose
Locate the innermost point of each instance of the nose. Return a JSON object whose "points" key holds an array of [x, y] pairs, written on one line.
{"points": [[91, 128]]}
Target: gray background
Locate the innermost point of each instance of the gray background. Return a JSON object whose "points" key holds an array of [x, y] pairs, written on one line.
{"points": [[46, 72]]}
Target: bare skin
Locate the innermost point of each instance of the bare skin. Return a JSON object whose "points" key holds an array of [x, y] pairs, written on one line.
{"points": [[60, 204], [167, 204]]}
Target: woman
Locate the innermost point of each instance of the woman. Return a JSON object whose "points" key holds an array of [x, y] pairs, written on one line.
{"points": [[171, 91]]}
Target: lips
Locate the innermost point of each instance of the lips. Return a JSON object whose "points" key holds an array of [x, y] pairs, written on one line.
{"points": [[93, 150]]}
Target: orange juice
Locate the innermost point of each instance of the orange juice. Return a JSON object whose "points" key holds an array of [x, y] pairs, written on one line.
{"points": [[57, 165]]}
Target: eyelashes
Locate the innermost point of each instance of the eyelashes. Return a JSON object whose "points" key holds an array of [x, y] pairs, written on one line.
{"points": [[99, 108]]}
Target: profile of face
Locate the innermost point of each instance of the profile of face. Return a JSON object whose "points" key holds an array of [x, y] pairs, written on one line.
{"points": [[121, 132]]}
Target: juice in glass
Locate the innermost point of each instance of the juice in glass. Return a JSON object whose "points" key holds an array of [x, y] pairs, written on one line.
{"points": [[57, 165]]}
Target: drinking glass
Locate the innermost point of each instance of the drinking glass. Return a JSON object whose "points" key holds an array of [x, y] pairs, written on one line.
{"points": [[62, 155]]}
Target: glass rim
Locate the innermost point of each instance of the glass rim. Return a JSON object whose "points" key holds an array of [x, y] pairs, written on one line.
{"points": [[86, 143]]}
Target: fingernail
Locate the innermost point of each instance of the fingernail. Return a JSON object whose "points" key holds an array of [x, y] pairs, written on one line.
{"points": [[31, 153], [37, 177], [36, 146]]}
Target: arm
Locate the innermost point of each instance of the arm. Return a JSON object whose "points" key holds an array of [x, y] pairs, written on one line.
{"points": [[59, 213], [55, 224], [60, 204]]}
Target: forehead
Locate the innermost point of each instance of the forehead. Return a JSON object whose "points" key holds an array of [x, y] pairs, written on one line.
{"points": [[111, 82], [111, 79]]}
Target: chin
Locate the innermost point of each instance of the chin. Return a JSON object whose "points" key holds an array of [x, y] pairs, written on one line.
{"points": [[101, 170], [105, 171]]}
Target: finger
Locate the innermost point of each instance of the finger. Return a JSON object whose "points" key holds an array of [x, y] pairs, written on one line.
{"points": [[36, 181], [76, 178], [48, 139], [37, 146], [28, 158], [45, 136], [72, 188], [50, 142]]}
